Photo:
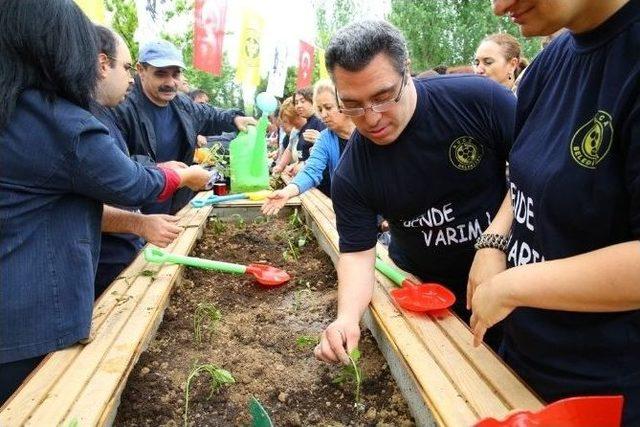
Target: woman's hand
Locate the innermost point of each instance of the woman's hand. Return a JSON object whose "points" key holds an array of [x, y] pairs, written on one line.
{"points": [[486, 263], [490, 304]]}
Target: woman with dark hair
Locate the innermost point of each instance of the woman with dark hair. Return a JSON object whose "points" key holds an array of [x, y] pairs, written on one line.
{"points": [[57, 166]]}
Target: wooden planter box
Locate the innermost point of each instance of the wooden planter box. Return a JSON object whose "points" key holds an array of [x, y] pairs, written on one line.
{"points": [[444, 379]]}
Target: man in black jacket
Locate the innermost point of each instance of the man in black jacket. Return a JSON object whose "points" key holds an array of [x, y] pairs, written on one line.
{"points": [[161, 125]]}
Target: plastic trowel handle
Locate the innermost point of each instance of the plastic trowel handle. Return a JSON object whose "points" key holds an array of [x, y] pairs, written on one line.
{"points": [[159, 256]]}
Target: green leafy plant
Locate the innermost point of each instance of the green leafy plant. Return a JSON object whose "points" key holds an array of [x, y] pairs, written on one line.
{"points": [[351, 374], [217, 226], [238, 221], [292, 252], [306, 341], [205, 313], [294, 221], [218, 377]]}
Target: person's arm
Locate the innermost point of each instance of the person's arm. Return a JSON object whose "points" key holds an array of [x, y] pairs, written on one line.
{"points": [[357, 228], [311, 174], [210, 120], [159, 230], [355, 289], [604, 280], [276, 200], [488, 262], [105, 173], [283, 161]]}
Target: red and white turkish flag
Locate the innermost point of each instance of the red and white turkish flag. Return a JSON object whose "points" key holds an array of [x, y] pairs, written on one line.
{"points": [[208, 34], [305, 65]]}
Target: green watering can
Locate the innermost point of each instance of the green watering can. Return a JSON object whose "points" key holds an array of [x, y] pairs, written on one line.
{"points": [[248, 163], [264, 274]]}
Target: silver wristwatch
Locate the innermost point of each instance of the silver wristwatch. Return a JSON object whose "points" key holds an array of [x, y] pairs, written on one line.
{"points": [[495, 241]]}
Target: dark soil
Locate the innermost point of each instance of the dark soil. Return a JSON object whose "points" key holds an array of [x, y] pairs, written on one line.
{"points": [[256, 341]]}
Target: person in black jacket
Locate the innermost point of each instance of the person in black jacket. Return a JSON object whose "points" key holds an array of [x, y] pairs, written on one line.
{"points": [[160, 125]]}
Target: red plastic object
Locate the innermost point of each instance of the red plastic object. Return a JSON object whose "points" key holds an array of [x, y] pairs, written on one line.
{"points": [[268, 275], [220, 189], [424, 297], [585, 411]]}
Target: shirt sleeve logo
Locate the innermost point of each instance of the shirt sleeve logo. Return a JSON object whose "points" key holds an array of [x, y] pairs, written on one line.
{"points": [[591, 143], [465, 153]]}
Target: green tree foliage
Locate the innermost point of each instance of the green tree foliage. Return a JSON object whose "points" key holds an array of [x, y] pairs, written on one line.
{"points": [[124, 21], [447, 32]]}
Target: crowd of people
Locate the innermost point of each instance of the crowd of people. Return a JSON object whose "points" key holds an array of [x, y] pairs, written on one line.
{"points": [[513, 184]]}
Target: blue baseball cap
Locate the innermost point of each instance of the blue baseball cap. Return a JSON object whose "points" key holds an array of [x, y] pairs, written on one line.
{"points": [[161, 53]]}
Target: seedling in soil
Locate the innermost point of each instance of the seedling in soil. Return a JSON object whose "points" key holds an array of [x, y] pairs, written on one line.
{"points": [[260, 220], [292, 252], [294, 220], [217, 225], [218, 377], [352, 374], [238, 221], [306, 341], [205, 312]]}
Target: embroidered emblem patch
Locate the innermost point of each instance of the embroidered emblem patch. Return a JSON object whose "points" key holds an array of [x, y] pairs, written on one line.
{"points": [[465, 153], [591, 143]]}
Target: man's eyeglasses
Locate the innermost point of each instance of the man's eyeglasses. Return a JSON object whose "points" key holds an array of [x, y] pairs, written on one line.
{"points": [[128, 67], [380, 107]]}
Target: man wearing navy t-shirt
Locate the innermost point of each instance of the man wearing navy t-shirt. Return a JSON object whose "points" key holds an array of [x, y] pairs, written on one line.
{"points": [[427, 155]]}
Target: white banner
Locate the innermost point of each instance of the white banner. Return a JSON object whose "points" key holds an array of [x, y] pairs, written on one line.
{"points": [[150, 19], [278, 71]]}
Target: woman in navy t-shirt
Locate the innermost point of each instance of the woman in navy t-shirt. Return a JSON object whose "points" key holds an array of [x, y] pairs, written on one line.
{"points": [[571, 298]]}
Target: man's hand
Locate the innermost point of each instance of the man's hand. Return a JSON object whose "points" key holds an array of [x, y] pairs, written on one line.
{"points": [[242, 122], [201, 141], [194, 177], [337, 340], [159, 230], [486, 263]]}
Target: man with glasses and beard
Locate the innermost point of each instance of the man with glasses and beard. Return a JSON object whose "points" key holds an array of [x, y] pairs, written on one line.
{"points": [[428, 155], [161, 125]]}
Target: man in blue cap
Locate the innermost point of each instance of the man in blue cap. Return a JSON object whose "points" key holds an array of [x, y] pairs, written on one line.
{"points": [[160, 124]]}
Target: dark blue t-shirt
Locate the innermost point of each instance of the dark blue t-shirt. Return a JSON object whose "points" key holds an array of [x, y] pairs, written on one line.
{"points": [[439, 184], [575, 182], [117, 248], [170, 143], [304, 146]]}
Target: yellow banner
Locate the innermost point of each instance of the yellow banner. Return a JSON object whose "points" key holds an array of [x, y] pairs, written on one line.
{"points": [[324, 74], [248, 69], [94, 9]]}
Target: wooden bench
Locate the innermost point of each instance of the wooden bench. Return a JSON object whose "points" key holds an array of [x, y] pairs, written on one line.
{"points": [[82, 384], [443, 377]]}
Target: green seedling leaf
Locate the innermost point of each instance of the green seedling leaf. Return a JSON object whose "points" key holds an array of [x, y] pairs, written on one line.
{"points": [[218, 377], [259, 415], [351, 374], [205, 314], [306, 341]]}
